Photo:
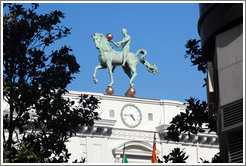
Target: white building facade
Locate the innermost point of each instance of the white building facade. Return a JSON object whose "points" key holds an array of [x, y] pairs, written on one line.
{"points": [[132, 122]]}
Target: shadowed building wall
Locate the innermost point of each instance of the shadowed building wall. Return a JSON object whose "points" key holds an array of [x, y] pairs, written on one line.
{"points": [[221, 29]]}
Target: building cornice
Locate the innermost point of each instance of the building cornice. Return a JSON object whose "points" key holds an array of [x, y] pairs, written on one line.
{"points": [[101, 127], [105, 128], [75, 95]]}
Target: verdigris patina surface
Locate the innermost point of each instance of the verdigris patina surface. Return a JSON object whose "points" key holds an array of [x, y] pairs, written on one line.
{"points": [[109, 58]]}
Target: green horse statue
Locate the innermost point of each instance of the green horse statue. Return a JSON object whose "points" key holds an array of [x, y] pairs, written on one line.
{"points": [[109, 58]]}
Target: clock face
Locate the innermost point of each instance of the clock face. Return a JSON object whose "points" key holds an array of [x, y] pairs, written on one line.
{"points": [[131, 115]]}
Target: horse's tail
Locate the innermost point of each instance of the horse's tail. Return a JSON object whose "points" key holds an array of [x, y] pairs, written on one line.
{"points": [[151, 68], [142, 51]]}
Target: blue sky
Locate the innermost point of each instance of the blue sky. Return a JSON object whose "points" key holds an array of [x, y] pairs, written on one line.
{"points": [[160, 28]]}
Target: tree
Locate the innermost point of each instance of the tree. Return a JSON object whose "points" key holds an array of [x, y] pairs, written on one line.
{"points": [[196, 113], [195, 116], [176, 156], [215, 159], [191, 121], [194, 51], [39, 118]]}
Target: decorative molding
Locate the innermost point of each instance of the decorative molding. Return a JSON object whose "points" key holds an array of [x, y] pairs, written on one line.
{"points": [[84, 129], [117, 158], [132, 135], [205, 138], [100, 127], [93, 130], [108, 123]]}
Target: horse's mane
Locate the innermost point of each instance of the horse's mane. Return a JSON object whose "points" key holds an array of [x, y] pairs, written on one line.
{"points": [[104, 42]]}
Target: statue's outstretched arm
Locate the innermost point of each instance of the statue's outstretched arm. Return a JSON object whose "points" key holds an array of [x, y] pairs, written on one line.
{"points": [[124, 40], [116, 44]]}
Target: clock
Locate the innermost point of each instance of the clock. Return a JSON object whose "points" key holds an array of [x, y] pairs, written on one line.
{"points": [[131, 115]]}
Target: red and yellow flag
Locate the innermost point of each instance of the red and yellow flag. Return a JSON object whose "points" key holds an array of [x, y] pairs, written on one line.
{"points": [[154, 157]]}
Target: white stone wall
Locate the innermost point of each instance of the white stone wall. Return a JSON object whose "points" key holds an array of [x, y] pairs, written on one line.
{"points": [[103, 143], [78, 146], [107, 147], [206, 152]]}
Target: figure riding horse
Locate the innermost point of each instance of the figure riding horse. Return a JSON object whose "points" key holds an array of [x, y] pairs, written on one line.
{"points": [[109, 58]]}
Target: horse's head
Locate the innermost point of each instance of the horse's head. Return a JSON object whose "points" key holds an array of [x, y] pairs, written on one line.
{"points": [[96, 39], [101, 42]]}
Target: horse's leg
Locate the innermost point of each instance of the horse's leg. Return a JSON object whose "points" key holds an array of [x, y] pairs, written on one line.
{"points": [[113, 68], [109, 65], [127, 71], [94, 75], [134, 71]]}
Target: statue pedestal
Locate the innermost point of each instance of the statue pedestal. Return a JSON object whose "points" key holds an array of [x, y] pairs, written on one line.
{"points": [[130, 92], [110, 90]]}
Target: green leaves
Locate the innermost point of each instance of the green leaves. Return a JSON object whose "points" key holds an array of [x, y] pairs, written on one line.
{"points": [[23, 154], [34, 85]]}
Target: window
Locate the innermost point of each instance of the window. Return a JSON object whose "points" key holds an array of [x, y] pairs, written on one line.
{"points": [[111, 113], [150, 116]]}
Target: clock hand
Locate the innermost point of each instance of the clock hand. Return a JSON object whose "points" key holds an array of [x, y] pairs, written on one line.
{"points": [[132, 117]]}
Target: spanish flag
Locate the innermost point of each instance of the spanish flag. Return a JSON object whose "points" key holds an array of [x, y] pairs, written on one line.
{"points": [[154, 157]]}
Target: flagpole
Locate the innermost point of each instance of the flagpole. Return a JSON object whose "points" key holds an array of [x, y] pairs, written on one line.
{"points": [[154, 136], [123, 158]]}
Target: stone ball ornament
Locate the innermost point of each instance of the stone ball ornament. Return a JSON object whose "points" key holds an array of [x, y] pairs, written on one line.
{"points": [[109, 36]]}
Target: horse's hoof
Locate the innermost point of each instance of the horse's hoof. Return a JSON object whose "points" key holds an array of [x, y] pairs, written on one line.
{"points": [[95, 81]]}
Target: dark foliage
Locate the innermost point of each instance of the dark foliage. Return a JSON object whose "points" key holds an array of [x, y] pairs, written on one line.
{"points": [[176, 156], [191, 121], [34, 84], [215, 159], [81, 161], [194, 51]]}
